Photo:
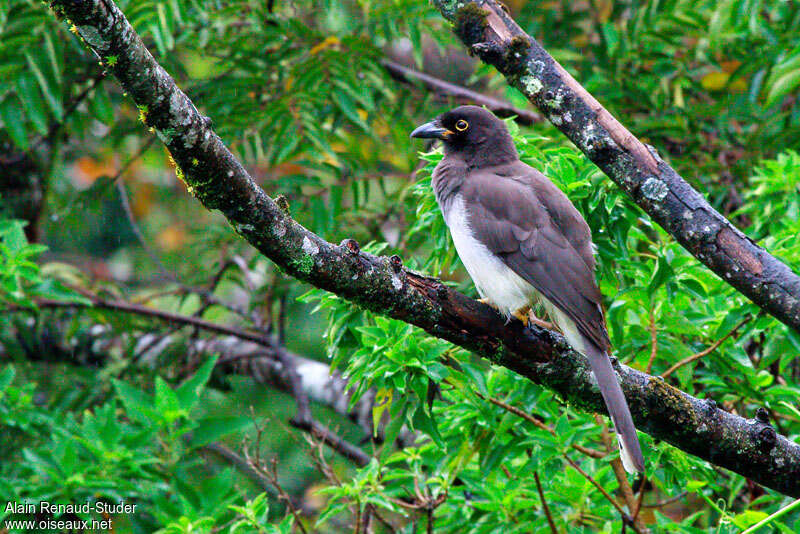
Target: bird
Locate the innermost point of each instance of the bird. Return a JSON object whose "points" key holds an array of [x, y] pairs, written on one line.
{"points": [[523, 242]]}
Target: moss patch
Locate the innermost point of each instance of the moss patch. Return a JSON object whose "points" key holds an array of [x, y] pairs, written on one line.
{"points": [[471, 23], [669, 401], [304, 264]]}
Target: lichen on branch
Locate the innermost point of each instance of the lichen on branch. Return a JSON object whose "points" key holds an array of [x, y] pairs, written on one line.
{"points": [[489, 31], [219, 181]]}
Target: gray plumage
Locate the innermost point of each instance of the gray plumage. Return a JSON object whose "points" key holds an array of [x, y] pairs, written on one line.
{"points": [[522, 241]]}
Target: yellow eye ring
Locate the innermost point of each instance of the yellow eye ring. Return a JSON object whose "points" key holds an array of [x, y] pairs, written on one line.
{"points": [[462, 125]]}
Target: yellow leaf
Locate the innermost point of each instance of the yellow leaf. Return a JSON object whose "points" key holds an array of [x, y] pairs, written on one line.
{"points": [[604, 9], [678, 95], [329, 41], [383, 399], [171, 238], [715, 81]]}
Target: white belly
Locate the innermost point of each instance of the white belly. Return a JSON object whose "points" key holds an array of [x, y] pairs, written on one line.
{"points": [[494, 280]]}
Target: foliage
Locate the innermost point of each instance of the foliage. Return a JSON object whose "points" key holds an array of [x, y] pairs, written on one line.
{"points": [[91, 407], [470, 438], [133, 448]]}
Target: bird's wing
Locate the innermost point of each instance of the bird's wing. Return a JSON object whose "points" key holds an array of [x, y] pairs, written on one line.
{"points": [[528, 222]]}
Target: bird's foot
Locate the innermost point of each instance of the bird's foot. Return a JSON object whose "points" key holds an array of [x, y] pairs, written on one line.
{"points": [[528, 318], [523, 314], [541, 323]]}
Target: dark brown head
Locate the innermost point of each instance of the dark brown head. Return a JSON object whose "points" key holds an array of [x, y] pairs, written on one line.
{"points": [[472, 133]]}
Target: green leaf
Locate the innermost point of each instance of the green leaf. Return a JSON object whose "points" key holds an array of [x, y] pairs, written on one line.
{"points": [[51, 94], [6, 377], [383, 400], [424, 422], [782, 86], [348, 107], [55, 290], [213, 428], [138, 404], [33, 103], [167, 403], [14, 236], [101, 107], [14, 121], [188, 393], [662, 274]]}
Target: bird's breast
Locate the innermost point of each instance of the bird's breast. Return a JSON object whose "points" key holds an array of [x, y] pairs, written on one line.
{"points": [[493, 279]]}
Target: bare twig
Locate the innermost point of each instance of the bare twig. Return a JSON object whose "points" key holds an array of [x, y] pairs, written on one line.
{"points": [[126, 207], [625, 517], [346, 449], [242, 464], [653, 340], [500, 107], [622, 477], [545, 507], [665, 502], [539, 424], [705, 352], [162, 315], [640, 498], [272, 475]]}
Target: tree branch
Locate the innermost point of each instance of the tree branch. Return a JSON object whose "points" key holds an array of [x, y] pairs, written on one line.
{"points": [[488, 30], [499, 107], [707, 351], [382, 285], [259, 356]]}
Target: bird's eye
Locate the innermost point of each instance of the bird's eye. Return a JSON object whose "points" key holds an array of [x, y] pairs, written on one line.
{"points": [[462, 125]]}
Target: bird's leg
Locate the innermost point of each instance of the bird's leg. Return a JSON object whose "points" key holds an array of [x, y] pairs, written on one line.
{"points": [[541, 323]]}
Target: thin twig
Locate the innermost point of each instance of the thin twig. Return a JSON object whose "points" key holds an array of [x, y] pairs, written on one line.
{"points": [[621, 476], [501, 107], [162, 315], [707, 351], [243, 465], [345, 448], [539, 424], [126, 207], [653, 340], [640, 498], [625, 517], [545, 507], [665, 502], [272, 475]]}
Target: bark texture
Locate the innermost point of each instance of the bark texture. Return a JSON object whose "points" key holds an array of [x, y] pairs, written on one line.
{"points": [[383, 285], [490, 32]]}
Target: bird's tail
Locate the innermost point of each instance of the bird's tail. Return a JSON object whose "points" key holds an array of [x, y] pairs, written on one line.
{"points": [[630, 450]]}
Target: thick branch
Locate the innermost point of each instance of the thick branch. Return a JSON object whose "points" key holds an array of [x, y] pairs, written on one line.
{"points": [[486, 28], [219, 181]]}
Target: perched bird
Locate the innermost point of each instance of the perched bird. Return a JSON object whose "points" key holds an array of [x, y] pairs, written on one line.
{"points": [[522, 242]]}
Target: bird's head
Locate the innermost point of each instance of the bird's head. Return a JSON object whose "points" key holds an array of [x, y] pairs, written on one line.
{"points": [[473, 133]]}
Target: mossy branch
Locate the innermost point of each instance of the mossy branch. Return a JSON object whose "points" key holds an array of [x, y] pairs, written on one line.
{"points": [[489, 31], [219, 181]]}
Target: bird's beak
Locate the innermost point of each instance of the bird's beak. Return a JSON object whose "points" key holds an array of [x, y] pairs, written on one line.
{"points": [[431, 130]]}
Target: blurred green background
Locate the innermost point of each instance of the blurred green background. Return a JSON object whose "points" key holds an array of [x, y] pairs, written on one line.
{"points": [[91, 207]]}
